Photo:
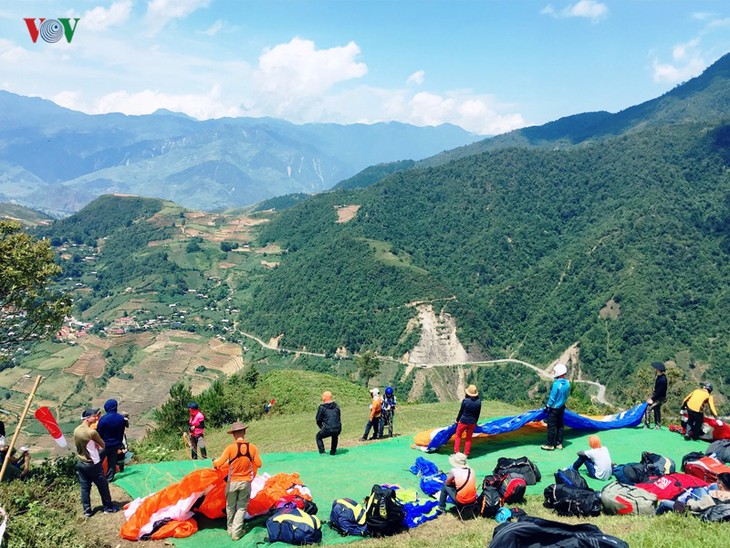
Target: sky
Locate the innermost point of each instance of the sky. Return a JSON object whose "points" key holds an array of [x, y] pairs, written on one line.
{"points": [[489, 66]]}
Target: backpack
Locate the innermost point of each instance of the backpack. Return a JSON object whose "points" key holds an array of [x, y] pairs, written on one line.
{"points": [[632, 473], [572, 501], [672, 485], [570, 477], [621, 499], [384, 514], [348, 517], [706, 468], [294, 526], [719, 512], [658, 465], [512, 488], [720, 449], [694, 455], [539, 533], [489, 502], [522, 466]]}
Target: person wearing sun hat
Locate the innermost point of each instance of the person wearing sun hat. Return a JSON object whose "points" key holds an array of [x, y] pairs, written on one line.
{"points": [[460, 483], [658, 396], [556, 408], [243, 461], [467, 418]]}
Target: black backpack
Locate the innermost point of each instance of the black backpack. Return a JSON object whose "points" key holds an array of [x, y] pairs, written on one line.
{"points": [[631, 473], [570, 477], [658, 465], [489, 502], [522, 466], [538, 533], [572, 501], [384, 514]]}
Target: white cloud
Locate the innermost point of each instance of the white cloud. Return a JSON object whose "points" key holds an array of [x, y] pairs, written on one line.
{"points": [[687, 62], [101, 18], [12, 53], [299, 69], [417, 78], [161, 12], [588, 9], [215, 28]]}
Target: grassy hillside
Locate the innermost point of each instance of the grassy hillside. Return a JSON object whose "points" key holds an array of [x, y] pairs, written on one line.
{"points": [[622, 247], [25, 216]]}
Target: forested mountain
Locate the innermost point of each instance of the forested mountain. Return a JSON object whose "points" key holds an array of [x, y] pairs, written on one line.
{"points": [[623, 247], [58, 160]]}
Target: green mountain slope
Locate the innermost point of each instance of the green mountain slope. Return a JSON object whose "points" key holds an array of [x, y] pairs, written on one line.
{"points": [[534, 244]]}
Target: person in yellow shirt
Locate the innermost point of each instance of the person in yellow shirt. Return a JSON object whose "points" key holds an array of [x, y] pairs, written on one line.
{"points": [[243, 461], [695, 404]]}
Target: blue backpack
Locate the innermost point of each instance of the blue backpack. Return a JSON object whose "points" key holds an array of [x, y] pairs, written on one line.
{"points": [[348, 517], [294, 526]]}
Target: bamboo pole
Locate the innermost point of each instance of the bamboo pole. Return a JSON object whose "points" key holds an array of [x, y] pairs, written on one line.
{"points": [[6, 462]]}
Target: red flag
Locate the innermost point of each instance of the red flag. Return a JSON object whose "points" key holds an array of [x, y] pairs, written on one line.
{"points": [[46, 418]]}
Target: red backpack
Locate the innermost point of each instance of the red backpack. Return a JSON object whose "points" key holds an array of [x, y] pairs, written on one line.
{"points": [[672, 485], [706, 468]]}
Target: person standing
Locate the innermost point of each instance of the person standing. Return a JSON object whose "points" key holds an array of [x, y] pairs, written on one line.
{"points": [[388, 412], [111, 429], [556, 408], [460, 483], [695, 403], [467, 418], [88, 444], [243, 461], [197, 431], [376, 408], [329, 422], [658, 396]]}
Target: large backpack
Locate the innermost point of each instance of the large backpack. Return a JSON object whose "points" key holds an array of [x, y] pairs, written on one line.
{"points": [[720, 449], [384, 514], [706, 468], [294, 526], [489, 502], [570, 477], [618, 498], [631, 473], [719, 512], [348, 517], [572, 501], [522, 466], [694, 455], [538, 533], [511, 487], [672, 485], [658, 465]]}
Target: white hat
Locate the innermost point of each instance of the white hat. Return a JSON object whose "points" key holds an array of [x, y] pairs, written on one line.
{"points": [[458, 460], [375, 391], [559, 370]]}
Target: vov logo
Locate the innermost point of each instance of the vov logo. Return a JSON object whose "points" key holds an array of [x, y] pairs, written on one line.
{"points": [[51, 30]]}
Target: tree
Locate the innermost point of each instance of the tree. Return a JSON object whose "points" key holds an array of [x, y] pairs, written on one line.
{"points": [[368, 366], [29, 308]]}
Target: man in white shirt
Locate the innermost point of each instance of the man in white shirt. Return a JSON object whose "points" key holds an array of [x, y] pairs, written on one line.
{"points": [[89, 469], [597, 460]]}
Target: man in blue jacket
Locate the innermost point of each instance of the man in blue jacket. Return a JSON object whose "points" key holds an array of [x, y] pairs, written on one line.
{"points": [[111, 429], [556, 408]]}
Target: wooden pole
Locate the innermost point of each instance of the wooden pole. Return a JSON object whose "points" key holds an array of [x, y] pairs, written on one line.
{"points": [[6, 462]]}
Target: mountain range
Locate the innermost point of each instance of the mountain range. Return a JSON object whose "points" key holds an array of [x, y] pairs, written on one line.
{"points": [[57, 160]]}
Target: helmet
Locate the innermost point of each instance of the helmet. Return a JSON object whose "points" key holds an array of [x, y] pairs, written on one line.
{"points": [[707, 386], [559, 370], [374, 391], [389, 391]]}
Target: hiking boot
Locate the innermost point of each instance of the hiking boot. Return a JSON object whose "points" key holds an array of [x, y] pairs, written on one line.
{"points": [[559, 446], [547, 447], [111, 510]]}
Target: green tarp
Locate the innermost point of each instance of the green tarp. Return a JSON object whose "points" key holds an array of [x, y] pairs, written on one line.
{"points": [[353, 471]]}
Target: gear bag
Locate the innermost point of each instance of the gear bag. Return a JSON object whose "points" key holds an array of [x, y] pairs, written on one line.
{"points": [[658, 465], [384, 514], [489, 502], [543, 533], [631, 473], [522, 466], [706, 468], [294, 526], [572, 501], [348, 517], [720, 449], [618, 498], [570, 477]]}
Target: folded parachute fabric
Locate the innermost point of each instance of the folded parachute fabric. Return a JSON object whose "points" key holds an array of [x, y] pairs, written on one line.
{"points": [[418, 511], [431, 478], [432, 440]]}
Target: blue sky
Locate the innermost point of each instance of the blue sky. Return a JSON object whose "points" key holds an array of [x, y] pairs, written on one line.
{"points": [[489, 66]]}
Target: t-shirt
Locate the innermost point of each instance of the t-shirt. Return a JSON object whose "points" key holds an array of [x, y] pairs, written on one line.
{"points": [[465, 484], [601, 462], [244, 461], [87, 450]]}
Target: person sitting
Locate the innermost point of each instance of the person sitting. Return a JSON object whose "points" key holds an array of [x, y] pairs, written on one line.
{"points": [[695, 404], [18, 465], [596, 459], [460, 483]]}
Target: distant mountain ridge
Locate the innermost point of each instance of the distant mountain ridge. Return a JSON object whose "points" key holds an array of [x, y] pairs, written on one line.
{"points": [[57, 160]]}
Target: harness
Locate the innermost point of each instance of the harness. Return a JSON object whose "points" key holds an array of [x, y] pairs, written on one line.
{"points": [[247, 454]]}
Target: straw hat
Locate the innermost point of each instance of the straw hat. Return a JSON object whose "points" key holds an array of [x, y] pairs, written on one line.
{"points": [[458, 460], [237, 426], [472, 391]]}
